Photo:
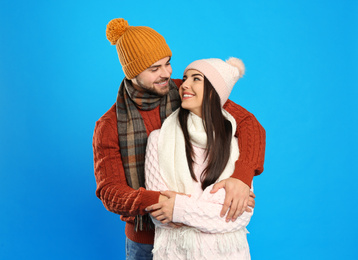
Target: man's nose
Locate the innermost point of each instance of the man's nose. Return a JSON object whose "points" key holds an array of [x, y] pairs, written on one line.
{"points": [[165, 72]]}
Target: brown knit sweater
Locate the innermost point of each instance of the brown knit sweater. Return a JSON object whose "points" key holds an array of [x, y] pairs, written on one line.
{"points": [[118, 197]]}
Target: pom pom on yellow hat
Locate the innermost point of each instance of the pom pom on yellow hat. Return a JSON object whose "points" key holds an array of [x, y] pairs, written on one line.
{"points": [[138, 47]]}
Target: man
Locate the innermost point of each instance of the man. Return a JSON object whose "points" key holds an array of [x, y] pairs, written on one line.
{"points": [[146, 97]]}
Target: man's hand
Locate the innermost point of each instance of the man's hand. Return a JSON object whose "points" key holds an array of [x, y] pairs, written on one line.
{"points": [[237, 197], [251, 203], [175, 225], [163, 210]]}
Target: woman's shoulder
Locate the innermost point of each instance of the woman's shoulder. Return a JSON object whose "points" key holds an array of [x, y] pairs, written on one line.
{"points": [[153, 138], [151, 150], [154, 134]]}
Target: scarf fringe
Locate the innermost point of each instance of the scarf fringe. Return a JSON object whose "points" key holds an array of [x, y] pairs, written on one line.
{"points": [[142, 223], [186, 241]]}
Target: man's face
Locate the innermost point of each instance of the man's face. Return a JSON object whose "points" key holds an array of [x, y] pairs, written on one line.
{"points": [[155, 79]]}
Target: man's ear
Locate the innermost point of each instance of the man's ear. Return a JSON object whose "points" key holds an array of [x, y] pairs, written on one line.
{"points": [[134, 81]]}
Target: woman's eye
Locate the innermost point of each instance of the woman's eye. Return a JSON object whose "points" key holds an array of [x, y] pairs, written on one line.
{"points": [[195, 79]]}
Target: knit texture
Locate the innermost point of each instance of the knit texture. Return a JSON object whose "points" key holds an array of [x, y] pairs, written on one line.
{"points": [[252, 142], [131, 128], [138, 47], [118, 197], [132, 133], [209, 236], [222, 75], [173, 165]]}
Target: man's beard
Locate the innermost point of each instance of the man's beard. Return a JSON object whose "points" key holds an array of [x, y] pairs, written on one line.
{"points": [[152, 89]]}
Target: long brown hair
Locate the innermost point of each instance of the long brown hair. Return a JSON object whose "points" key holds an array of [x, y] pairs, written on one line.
{"points": [[215, 124]]}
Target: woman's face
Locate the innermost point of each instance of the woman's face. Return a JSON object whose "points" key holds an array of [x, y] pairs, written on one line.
{"points": [[192, 91]]}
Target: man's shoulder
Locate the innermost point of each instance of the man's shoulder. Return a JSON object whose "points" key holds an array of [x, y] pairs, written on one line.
{"points": [[107, 123], [232, 107], [177, 82], [240, 114], [109, 117]]}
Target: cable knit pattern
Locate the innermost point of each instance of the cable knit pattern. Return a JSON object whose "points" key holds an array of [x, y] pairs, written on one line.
{"points": [[112, 186], [252, 142], [118, 197], [201, 211]]}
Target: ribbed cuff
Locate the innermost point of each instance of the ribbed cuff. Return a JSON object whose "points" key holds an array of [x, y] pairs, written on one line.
{"points": [[179, 208], [149, 198], [244, 173]]}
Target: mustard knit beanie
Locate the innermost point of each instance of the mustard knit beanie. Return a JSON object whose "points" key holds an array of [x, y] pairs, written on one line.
{"points": [[138, 47]]}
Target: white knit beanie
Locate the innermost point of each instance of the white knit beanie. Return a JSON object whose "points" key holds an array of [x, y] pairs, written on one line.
{"points": [[222, 75]]}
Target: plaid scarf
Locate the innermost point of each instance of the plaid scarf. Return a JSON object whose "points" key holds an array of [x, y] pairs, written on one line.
{"points": [[132, 132]]}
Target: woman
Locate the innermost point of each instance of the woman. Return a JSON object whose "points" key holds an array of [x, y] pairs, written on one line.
{"points": [[194, 149]]}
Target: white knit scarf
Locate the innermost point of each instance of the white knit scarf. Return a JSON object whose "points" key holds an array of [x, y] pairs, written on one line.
{"points": [[175, 171], [171, 151]]}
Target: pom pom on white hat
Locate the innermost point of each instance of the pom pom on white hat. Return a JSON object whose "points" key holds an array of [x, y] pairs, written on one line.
{"points": [[222, 74]]}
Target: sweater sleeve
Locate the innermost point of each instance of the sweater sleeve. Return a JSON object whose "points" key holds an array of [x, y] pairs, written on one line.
{"points": [[251, 137], [112, 187], [153, 179], [204, 213]]}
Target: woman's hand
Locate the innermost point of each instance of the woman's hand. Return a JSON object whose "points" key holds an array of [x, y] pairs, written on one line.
{"points": [[236, 198], [163, 210]]}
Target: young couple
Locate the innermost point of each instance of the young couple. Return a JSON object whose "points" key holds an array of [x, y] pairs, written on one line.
{"points": [[194, 175]]}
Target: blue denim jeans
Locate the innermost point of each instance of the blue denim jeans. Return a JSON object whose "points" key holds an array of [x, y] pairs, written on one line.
{"points": [[138, 251]]}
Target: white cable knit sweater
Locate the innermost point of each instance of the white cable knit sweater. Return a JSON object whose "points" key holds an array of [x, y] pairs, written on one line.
{"points": [[209, 236]]}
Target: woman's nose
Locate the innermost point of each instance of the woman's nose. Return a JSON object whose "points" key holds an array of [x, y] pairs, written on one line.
{"points": [[184, 85]]}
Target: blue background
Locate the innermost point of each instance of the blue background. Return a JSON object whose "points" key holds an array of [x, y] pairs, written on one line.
{"points": [[59, 74]]}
